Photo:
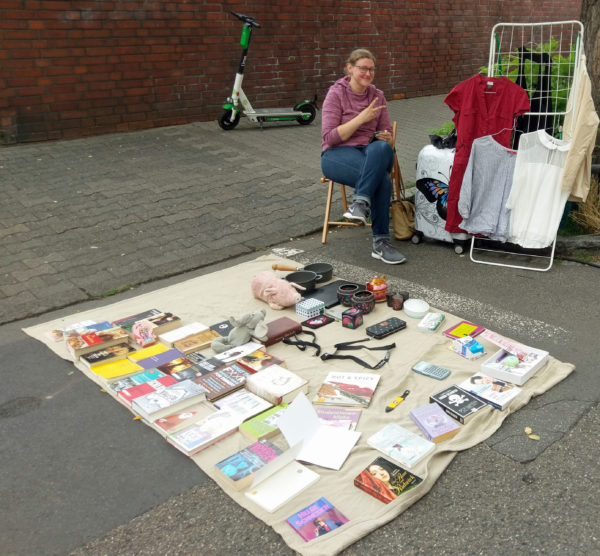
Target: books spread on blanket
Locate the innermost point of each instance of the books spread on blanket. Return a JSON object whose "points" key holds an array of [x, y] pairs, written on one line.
{"points": [[276, 384], [201, 434], [458, 403], [106, 355], [80, 343], [434, 423], [169, 338], [155, 359], [243, 402], [135, 379], [223, 381], [238, 469], [402, 445], [259, 360], [116, 369], [181, 419], [506, 366], [462, 329], [352, 389], [385, 480], [431, 322], [344, 417], [196, 342], [168, 400], [264, 425], [320, 444], [280, 480], [317, 519], [127, 395], [498, 393]]}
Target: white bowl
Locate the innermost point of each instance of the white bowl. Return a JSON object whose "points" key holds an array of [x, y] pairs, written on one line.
{"points": [[415, 308]]}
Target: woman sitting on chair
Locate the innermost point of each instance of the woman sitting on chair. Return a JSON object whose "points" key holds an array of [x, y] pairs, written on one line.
{"points": [[358, 150]]}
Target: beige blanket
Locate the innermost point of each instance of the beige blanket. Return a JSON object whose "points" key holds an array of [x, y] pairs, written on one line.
{"points": [[215, 297]]}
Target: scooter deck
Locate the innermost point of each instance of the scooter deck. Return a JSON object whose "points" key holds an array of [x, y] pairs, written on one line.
{"points": [[274, 112]]}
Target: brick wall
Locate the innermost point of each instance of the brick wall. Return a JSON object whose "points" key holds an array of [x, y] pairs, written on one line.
{"points": [[77, 68]]}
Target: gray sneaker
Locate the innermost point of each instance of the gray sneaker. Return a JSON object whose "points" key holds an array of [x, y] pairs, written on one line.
{"points": [[386, 252], [358, 210]]}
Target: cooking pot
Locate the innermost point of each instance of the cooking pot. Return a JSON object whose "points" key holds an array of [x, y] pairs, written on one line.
{"points": [[324, 271], [305, 278]]}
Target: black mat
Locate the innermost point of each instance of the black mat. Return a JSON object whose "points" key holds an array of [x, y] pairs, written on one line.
{"points": [[327, 293]]}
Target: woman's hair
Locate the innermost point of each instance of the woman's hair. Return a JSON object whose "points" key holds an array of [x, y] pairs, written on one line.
{"points": [[359, 53]]}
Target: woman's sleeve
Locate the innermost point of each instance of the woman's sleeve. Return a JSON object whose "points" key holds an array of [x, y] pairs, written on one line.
{"points": [[331, 118]]}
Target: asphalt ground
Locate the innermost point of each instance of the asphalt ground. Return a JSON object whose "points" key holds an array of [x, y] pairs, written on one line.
{"points": [[125, 214]]}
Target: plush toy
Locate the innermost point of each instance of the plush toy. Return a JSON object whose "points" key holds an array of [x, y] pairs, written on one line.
{"points": [[275, 291], [244, 328]]}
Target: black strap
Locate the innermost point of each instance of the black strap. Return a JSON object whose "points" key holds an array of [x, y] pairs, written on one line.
{"points": [[303, 344], [353, 346]]}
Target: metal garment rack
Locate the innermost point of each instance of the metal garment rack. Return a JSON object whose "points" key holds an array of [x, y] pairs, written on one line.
{"points": [[561, 43]]}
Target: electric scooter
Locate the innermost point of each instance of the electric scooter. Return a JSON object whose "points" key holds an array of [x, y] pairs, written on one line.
{"points": [[304, 112]]}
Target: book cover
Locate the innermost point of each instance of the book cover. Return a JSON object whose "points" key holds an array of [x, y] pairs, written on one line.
{"points": [[276, 384], [163, 322], [238, 469], [402, 445], [233, 354], [146, 352], [385, 480], [223, 328], [116, 369], [97, 326], [85, 342], [127, 395], [244, 403], [128, 321], [498, 393], [462, 329], [134, 379], [223, 381], [280, 328], [200, 435], [185, 417], [503, 365], [264, 425], [458, 403], [434, 423], [344, 417], [106, 355], [259, 360], [317, 519], [168, 400], [196, 342], [351, 389], [180, 368], [158, 358], [431, 322], [169, 338]]}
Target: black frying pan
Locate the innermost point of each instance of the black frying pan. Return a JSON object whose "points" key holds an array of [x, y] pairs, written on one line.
{"points": [[324, 271]]}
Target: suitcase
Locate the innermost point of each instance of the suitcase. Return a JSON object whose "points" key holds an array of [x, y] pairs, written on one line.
{"points": [[433, 174]]}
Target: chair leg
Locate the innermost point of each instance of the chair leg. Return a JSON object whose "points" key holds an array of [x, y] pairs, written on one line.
{"points": [[327, 209]]}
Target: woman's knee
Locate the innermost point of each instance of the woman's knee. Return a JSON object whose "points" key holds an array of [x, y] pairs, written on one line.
{"points": [[382, 150]]}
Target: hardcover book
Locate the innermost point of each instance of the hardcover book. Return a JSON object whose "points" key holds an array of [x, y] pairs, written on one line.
{"points": [[127, 395], [344, 417], [223, 381], [116, 369], [259, 360], [280, 328], [79, 344], [244, 403], [106, 355], [352, 389], [168, 400], [434, 423], [503, 365], [402, 445], [196, 342], [238, 469], [385, 480], [134, 379], [496, 392], [462, 329], [317, 519], [276, 384], [264, 425], [458, 403]]}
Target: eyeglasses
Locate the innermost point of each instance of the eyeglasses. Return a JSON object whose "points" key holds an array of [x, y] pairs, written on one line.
{"points": [[365, 69]]}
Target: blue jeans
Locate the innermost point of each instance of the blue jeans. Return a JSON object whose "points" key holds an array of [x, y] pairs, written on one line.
{"points": [[367, 170]]}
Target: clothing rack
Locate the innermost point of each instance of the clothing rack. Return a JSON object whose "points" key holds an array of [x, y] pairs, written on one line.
{"points": [[544, 59]]}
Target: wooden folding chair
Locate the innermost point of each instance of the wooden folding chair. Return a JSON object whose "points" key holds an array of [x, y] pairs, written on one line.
{"points": [[397, 188]]}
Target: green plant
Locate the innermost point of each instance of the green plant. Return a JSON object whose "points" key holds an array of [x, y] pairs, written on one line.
{"points": [[442, 131]]}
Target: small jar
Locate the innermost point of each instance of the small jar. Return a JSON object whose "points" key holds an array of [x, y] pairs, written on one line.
{"points": [[345, 293], [364, 300], [378, 285], [388, 298], [397, 302]]}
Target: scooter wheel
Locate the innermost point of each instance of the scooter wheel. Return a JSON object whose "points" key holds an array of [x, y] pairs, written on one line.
{"points": [[307, 109], [225, 120]]}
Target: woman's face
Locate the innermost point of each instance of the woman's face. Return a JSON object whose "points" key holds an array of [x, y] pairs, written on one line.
{"points": [[362, 72], [379, 473]]}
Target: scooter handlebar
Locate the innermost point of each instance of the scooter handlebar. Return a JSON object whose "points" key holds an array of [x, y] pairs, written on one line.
{"points": [[246, 19]]}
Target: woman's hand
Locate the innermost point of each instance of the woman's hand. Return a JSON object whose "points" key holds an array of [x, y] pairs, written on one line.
{"points": [[385, 136], [370, 112]]}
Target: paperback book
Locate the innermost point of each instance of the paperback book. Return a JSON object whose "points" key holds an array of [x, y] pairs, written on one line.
{"points": [[259, 360], [106, 355], [496, 392], [196, 342], [80, 343], [135, 379], [402, 445], [129, 394], [223, 381], [344, 417], [434, 423], [462, 329], [458, 403], [238, 470], [264, 425], [146, 352], [276, 384], [244, 403], [350, 389], [128, 321], [158, 358], [317, 519], [180, 368], [169, 338], [116, 369], [168, 400], [385, 480], [181, 419]]}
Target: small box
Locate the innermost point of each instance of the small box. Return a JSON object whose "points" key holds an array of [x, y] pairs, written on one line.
{"points": [[309, 308], [468, 348], [352, 318]]}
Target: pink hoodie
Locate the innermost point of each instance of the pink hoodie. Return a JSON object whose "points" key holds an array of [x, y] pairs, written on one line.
{"points": [[341, 105]]}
